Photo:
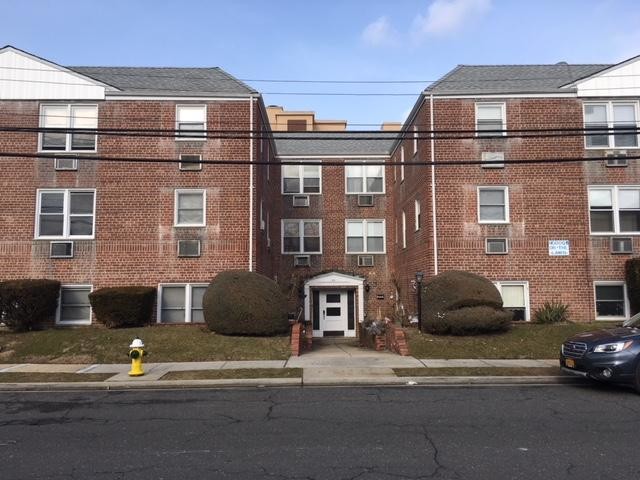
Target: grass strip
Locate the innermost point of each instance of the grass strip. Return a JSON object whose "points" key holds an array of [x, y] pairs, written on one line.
{"points": [[522, 341], [31, 377], [174, 343], [478, 372], [233, 373]]}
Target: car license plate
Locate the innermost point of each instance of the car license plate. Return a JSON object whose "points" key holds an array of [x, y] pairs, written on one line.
{"points": [[570, 363]]}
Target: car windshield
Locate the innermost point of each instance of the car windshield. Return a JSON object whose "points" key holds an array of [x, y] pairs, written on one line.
{"points": [[633, 321]]}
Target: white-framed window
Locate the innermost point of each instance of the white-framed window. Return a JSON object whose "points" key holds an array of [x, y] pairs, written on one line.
{"points": [[189, 208], [74, 307], [415, 139], [301, 179], [68, 116], [190, 162], [365, 236], [402, 163], [599, 115], [404, 230], [611, 300], [417, 214], [364, 179], [181, 302], [65, 213], [493, 204], [614, 209], [301, 236], [515, 297], [490, 116], [191, 122]]}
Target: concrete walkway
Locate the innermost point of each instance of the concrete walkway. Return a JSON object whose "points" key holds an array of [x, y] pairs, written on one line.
{"points": [[330, 363]]}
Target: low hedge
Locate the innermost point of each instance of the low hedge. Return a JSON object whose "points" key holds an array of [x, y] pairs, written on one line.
{"points": [[462, 303], [238, 302], [118, 307], [470, 321], [27, 304]]}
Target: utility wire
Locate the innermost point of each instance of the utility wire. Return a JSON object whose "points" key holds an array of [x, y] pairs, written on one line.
{"points": [[186, 75], [196, 135], [381, 94], [453, 163]]}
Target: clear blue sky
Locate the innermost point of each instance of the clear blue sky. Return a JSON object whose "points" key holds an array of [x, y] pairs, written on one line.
{"points": [[327, 39]]}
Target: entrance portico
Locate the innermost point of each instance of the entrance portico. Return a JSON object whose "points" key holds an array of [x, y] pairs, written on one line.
{"points": [[334, 304]]}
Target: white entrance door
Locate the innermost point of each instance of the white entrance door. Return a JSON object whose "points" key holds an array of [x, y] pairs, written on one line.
{"points": [[333, 311]]}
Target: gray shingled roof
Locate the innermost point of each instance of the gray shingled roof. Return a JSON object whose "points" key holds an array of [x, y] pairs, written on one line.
{"points": [[167, 81], [318, 143], [500, 79]]}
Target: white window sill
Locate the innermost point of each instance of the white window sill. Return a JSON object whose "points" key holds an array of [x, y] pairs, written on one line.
{"points": [[190, 139], [611, 319], [71, 323], [301, 253], [194, 225], [66, 152], [65, 239], [616, 234], [365, 193], [291, 194], [494, 222]]}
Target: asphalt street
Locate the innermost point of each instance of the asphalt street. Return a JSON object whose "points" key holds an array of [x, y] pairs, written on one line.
{"points": [[506, 432]]}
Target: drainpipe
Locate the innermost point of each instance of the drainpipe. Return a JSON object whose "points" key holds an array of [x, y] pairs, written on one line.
{"points": [[433, 188], [251, 186]]}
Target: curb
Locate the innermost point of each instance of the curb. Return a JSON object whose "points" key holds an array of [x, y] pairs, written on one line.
{"points": [[291, 382]]}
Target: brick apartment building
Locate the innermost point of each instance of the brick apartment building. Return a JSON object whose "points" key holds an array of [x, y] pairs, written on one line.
{"points": [[345, 241], [539, 231], [93, 224]]}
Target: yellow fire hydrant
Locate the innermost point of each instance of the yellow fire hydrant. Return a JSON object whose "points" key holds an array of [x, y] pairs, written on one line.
{"points": [[136, 353]]}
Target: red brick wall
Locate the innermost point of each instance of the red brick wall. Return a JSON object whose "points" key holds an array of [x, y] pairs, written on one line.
{"points": [[135, 241], [547, 202], [334, 207]]}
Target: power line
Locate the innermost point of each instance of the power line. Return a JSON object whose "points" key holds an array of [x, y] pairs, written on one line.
{"points": [[185, 75], [227, 162], [161, 89], [241, 134]]}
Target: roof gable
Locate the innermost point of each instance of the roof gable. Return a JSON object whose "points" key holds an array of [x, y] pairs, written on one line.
{"points": [[26, 77], [619, 80]]}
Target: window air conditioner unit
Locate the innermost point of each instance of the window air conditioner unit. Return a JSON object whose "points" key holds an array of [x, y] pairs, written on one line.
{"points": [[365, 260], [301, 261], [621, 245], [61, 250], [63, 163], [496, 246], [365, 200], [188, 248], [616, 158], [300, 200], [492, 157]]}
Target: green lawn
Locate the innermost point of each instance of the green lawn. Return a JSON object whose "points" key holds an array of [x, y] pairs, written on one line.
{"points": [[522, 341], [164, 344]]}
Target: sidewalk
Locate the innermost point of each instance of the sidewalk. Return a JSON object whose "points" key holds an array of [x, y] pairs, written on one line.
{"points": [[327, 364]]}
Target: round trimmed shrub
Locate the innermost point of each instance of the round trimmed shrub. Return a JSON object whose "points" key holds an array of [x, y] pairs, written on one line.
{"points": [[27, 304], [118, 307], [462, 303], [238, 302]]}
